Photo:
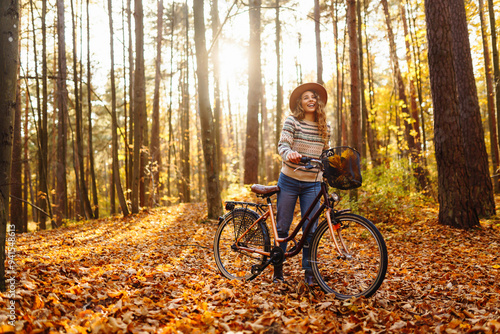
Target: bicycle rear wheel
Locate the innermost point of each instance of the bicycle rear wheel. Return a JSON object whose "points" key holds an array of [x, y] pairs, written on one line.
{"points": [[360, 269], [234, 263]]}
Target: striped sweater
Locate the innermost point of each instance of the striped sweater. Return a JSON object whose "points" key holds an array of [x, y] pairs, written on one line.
{"points": [[303, 137]]}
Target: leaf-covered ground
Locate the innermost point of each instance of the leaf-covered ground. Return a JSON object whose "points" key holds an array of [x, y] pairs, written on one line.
{"points": [[154, 272]]}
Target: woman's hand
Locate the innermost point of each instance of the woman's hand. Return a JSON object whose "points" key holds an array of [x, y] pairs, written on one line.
{"points": [[294, 157]]}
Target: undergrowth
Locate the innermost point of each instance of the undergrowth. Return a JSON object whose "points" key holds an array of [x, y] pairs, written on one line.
{"points": [[390, 191]]}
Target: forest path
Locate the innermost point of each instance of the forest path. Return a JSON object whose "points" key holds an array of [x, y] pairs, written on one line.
{"points": [[154, 272]]}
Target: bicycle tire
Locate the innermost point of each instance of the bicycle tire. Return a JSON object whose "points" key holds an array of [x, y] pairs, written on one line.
{"points": [[362, 270], [233, 263]]}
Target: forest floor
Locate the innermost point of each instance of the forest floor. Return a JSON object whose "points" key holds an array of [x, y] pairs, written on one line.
{"points": [[154, 272]]}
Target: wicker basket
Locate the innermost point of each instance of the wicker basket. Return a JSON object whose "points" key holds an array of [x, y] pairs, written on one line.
{"points": [[342, 167]]}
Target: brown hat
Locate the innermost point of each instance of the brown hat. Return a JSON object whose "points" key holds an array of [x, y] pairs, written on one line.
{"points": [[311, 86]]}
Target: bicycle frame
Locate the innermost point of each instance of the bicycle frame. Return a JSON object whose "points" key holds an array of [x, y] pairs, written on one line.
{"points": [[298, 246]]}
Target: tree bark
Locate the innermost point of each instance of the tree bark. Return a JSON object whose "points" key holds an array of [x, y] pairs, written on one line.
{"points": [[455, 204], [495, 156], [9, 35], [254, 96], [213, 195], [476, 157]]}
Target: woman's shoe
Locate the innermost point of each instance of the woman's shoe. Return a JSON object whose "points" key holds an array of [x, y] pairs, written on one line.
{"points": [[309, 277], [278, 274]]}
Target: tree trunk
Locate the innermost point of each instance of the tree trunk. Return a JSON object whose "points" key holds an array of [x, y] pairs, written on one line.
{"points": [[43, 131], [418, 72], [254, 96], [95, 199], [496, 60], [279, 91], [86, 210], [155, 128], [319, 57], [214, 13], [476, 157], [355, 138], [455, 205], [26, 165], [62, 99], [126, 115], [185, 180], [139, 106], [337, 101], [364, 109], [114, 123], [371, 133], [9, 34], [169, 114], [40, 200], [214, 204], [16, 190], [495, 156], [130, 150], [266, 154]]}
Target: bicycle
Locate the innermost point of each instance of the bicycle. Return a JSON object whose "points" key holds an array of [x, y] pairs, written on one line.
{"points": [[348, 254]]}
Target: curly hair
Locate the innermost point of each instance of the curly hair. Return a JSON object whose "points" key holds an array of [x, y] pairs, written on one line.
{"points": [[320, 115]]}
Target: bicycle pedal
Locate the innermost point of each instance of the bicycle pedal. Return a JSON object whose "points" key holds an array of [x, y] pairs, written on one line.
{"points": [[256, 269], [277, 256]]}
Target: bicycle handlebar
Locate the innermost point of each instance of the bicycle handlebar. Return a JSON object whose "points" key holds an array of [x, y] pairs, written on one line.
{"points": [[308, 160], [305, 160]]}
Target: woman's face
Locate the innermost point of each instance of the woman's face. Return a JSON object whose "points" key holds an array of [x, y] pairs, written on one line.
{"points": [[309, 101]]}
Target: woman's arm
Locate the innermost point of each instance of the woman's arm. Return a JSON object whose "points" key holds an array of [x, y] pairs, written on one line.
{"points": [[286, 141]]}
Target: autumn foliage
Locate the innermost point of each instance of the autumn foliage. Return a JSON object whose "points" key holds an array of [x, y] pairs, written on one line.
{"points": [[154, 272]]}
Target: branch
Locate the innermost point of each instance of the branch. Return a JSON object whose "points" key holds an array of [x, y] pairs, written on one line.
{"points": [[33, 205]]}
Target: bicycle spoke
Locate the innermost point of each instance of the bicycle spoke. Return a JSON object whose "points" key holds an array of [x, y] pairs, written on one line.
{"points": [[361, 267], [235, 263]]}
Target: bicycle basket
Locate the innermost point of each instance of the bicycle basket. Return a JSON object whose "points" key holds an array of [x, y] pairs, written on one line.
{"points": [[342, 167]]}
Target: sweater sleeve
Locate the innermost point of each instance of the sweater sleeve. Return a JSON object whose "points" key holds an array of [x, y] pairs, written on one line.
{"points": [[329, 137], [286, 139]]}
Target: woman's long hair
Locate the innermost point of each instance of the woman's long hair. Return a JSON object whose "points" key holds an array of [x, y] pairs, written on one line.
{"points": [[299, 113]]}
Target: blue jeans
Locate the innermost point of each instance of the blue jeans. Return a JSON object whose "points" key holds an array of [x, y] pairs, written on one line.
{"points": [[290, 190]]}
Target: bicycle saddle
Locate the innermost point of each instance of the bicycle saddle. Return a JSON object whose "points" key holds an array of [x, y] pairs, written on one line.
{"points": [[264, 190]]}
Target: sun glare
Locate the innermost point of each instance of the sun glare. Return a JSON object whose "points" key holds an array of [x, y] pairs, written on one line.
{"points": [[233, 60]]}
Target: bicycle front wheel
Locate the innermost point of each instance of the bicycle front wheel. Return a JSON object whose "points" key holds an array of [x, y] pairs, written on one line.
{"points": [[360, 268], [232, 262]]}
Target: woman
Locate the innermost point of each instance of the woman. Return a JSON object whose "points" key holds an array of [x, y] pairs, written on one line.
{"points": [[304, 133]]}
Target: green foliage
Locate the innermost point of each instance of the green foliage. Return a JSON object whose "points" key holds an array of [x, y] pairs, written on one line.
{"points": [[390, 191]]}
